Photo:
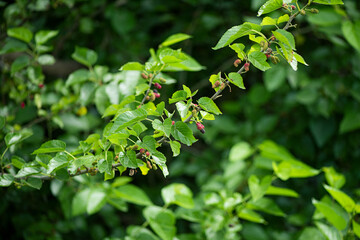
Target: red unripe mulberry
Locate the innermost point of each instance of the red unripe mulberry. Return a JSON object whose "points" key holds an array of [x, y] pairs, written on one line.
{"points": [[157, 85], [200, 127]]}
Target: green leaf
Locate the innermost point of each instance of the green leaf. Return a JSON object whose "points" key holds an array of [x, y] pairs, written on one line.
{"points": [[84, 56], [275, 77], [19, 63], [13, 45], [208, 105], [162, 221], [136, 232], [168, 56], [329, 232], [328, 2], [80, 201], [356, 228], [250, 215], [178, 194], [350, 122], [6, 180], [269, 6], [183, 133], [13, 138], [300, 59], [189, 64], [258, 59], [270, 149], [46, 59], [79, 76], [141, 88], [17, 162], [331, 214], [272, 190], [236, 32], [57, 162], [175, 38], [175, 147], [285, 37], [283, 18], [293, 169], [311, 233], [236, 79], [351, 32], [2, 122], [266, 205], [333, 178], [51, 146], [34, 183], [207, 116], [342, 198], [240, 151], [21, 33], [257, 188], [134, 66], [268, 21], [182, 108], [178, 96], [96, 200], [128, 118], [43, 36], [133, 194], [239, 49]]}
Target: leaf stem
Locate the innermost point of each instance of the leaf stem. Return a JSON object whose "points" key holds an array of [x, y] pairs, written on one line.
{"points": [[1, 160]]}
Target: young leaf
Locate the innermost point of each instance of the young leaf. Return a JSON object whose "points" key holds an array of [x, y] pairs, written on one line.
{"points": [[258, 59], [51, 146], [269, 6], [236, 32], [342, 198], [239, 49], [162, 221], [43, 36], [208, 105], [21, 33], [84, 56], [268, 21], [177, 96], [236, 79], [283, 18], [178, 194], [175, 38], [135, 66]]}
